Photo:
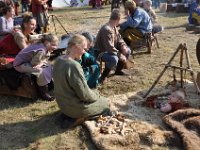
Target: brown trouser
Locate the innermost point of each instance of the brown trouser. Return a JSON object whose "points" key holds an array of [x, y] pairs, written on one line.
{"points": [[132, 36]]}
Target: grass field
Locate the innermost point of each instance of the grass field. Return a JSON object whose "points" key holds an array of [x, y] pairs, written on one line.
{"points": [[26, 124]]}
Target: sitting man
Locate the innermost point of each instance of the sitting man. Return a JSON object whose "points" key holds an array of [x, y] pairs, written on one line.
{"points": [[111, 47], [194, 12], [137, 24]]}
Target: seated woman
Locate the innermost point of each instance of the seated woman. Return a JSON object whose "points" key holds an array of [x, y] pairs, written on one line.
{"points": [[27, 28], [6, 21], [88, 62], [33, 60], [19, 38], [75, 99]]}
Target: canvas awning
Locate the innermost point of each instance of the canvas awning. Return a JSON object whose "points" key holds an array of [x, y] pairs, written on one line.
{"points": [[60, 3], [66, 3]]}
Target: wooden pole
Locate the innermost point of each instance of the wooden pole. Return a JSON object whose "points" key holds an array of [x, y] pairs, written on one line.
{"points": [[191, 73], [181, 47], [166, 66], [181, 65]]}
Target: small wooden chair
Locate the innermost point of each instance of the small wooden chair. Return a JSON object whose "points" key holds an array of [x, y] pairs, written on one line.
{"points": [[150, 39], [147, 43]]}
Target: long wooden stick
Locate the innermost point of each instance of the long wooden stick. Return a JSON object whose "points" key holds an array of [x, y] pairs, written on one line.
{"points": [[181, 47], [163, 71], [181, 65], [191, 73]]}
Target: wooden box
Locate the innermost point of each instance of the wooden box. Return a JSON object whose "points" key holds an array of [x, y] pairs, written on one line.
{"points": [[27, 88]]}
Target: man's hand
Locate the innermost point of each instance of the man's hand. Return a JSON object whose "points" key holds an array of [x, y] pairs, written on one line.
{"points": [[126, 12], [124, 49], [122, 57], [38, 66]]}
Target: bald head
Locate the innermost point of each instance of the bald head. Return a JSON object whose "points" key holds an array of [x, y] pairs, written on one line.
{"points": [[115, 14]]}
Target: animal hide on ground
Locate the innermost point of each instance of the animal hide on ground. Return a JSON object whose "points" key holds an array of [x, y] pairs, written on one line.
{"points": [[187, 123]]}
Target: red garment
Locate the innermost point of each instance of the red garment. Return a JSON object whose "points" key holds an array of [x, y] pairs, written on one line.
{"points": [[16, 9], [98, 3], [36, 7], [8, 45], [176, 105]]}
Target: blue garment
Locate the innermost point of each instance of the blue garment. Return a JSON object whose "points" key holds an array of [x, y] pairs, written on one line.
{"points": [[140, 20], [193, 9], [25, 7], [111, 60], [156, 3], [90, 68]]}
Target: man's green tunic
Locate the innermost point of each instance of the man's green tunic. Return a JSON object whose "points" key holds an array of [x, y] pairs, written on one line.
{"points": [[74, 97]]}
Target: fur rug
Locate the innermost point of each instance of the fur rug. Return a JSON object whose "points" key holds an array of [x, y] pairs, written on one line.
{"points": [[187, 123]]}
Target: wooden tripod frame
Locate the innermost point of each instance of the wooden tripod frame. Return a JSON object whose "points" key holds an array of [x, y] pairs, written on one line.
{"points": [[182, 48], [54, 17]]}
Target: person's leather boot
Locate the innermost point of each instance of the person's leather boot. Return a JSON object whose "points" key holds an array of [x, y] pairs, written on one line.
{"points": [[120, 66], [125, 65], [43, 91], [104, 75]]}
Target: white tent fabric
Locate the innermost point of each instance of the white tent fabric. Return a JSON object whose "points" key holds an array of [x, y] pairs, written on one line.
{"points": [[83, 2], [60, 3], [66, 3]]}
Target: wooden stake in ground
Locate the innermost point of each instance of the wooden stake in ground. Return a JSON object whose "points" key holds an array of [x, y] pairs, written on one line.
{"points": [[188, 68]]}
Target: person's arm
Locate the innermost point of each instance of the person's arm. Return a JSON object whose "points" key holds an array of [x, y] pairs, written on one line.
{"points": [[133, 20], [38, 59], [3, 29], [153, 14], [122, 46], [78, 82], [20, 40], [108, 41]]}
